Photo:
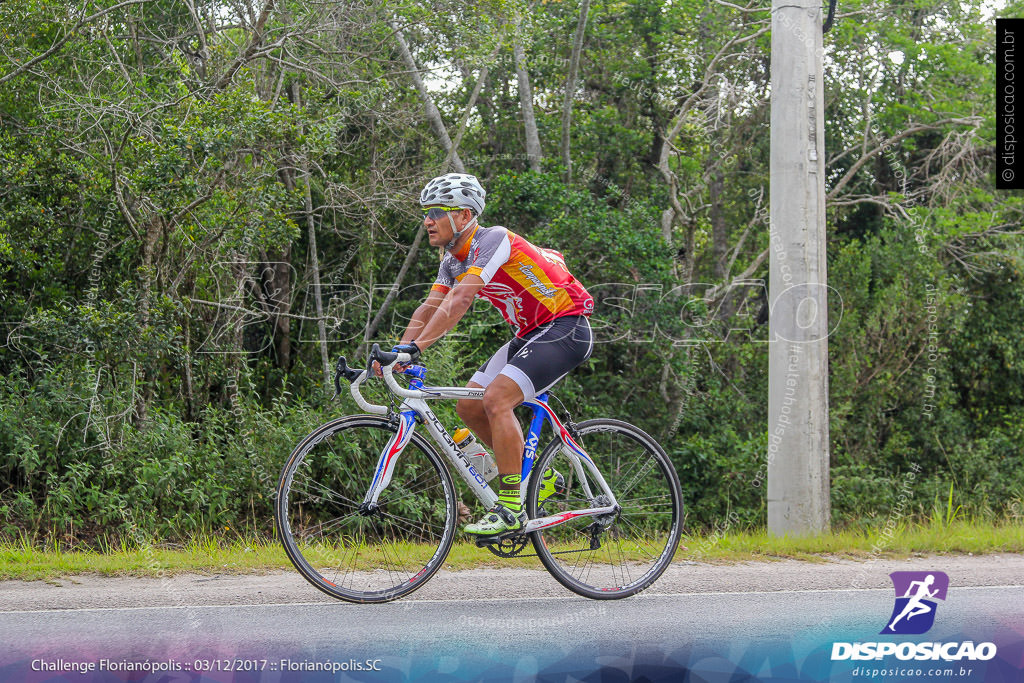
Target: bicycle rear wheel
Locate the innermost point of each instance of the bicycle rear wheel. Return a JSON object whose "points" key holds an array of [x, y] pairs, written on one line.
{"points": [[620, 554], [354, 555]]}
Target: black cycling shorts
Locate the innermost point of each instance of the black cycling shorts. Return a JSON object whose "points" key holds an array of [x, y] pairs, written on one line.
{"points": [[541, 358]]}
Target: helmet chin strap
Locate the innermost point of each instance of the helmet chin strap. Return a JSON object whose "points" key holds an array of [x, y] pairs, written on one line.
{"points": [[456, 234]]}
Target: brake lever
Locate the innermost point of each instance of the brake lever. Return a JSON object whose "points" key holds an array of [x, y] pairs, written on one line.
{"points": [[343, 370], [337, 377]]}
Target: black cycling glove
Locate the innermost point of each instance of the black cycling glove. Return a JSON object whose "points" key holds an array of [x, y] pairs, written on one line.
{"points": [[410, 348]]}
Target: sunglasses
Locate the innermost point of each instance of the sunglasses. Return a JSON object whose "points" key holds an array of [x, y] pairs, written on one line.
{"points": [[435, 212]]}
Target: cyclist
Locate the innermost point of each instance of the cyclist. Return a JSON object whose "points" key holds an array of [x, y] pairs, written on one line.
{"points": [[535, 293]]}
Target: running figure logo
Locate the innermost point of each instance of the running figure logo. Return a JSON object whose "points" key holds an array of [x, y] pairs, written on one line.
{"points": [[914, 611]]}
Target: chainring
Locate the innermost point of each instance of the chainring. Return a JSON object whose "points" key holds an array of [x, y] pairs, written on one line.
{"points": [[506, 546]]}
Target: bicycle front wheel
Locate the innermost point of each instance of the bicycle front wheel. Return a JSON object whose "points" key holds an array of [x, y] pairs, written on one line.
{"points": [[620, 554], [357, 555]]}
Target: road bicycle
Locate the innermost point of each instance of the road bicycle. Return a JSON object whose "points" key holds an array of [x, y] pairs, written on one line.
{"points": [[367, 509]]}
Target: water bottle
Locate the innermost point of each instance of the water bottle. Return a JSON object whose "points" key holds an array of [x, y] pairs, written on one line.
{"points": [[481, 460]]}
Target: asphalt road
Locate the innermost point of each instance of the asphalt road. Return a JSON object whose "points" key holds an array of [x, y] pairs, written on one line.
{"points": [[774, 620]]}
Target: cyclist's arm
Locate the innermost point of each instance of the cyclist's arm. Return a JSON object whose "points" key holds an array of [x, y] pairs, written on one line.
{"points": [[422, 315], [455, 304]]}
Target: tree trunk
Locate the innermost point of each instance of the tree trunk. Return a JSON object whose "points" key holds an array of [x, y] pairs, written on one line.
{"points": [[526, 103], [488, 117], [570, 88], [255, 42], [314, 258], [190, 393], [477, 87], [154, 229], [433, 115], [719, 233], [204, 51], [134, 30], [148, 270], [277, 286], [465, 119]]}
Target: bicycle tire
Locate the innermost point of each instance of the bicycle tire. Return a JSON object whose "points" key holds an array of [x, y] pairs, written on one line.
{"points": [[371, 558], [638, 543]]}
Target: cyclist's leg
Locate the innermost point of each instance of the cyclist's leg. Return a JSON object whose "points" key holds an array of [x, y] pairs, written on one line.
{"points": [[501, 430], [470, 410], [500, 397], [543, 357], [538, 360]]}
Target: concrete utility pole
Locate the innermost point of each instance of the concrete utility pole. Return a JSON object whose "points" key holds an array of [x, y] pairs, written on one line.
{"points": [[798, 480]]}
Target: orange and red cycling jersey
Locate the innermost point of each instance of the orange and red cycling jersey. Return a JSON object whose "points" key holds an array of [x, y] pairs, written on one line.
{"points": [[529, 285]]}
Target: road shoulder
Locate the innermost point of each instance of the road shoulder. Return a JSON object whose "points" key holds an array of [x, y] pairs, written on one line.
{"points": [[187, 590]]}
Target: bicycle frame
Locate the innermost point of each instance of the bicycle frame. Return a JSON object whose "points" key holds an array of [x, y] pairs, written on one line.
{"points": [[415, 409]]}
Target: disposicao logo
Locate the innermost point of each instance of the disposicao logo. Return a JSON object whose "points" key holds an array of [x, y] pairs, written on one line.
{"points": [[914, 614], [914, 611]]}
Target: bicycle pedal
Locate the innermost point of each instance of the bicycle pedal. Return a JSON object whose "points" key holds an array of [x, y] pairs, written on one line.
{"points": [[484, 541]]}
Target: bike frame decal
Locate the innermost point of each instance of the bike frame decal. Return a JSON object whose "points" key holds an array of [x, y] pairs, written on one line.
{"points": [[559, 428], [556, 519], [388, 459], [531, 442]]}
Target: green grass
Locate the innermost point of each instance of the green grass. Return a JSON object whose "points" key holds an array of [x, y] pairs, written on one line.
{"points": [[27, 561], [958, 536], [24, 561]]}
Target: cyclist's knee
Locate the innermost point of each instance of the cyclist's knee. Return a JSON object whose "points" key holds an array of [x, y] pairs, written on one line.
{"points": [[470, 410], [499, 400]]}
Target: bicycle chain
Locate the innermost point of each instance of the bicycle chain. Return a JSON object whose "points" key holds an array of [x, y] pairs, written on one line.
{"points": [[557, 552], [520, 539]]}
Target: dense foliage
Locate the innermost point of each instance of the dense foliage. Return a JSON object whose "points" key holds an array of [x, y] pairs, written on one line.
{"points": [[178, 176]]}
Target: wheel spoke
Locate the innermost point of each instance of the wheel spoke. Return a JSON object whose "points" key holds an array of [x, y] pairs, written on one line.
{"points": [[634, 539], [360, 555]]}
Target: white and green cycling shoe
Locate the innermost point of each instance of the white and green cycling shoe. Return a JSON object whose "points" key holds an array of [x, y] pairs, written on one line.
{"points": [[498, 520], [551, 482]]}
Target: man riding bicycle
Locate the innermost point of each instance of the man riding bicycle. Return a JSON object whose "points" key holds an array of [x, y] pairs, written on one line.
{"points": [[535, 293]]}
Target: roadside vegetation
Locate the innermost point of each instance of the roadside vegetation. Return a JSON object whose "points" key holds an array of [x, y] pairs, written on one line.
{"points": [[28, 560], [177, 177]]}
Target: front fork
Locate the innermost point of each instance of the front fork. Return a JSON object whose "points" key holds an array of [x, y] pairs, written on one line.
{"points": [[388, 459]]}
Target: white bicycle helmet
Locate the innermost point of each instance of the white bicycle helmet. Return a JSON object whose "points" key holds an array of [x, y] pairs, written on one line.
{"points": [[459, 190], [455, 189]]}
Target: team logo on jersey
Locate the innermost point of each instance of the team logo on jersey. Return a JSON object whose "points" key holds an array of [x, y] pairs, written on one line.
{"points": [[527, 270], [505, 299]]}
